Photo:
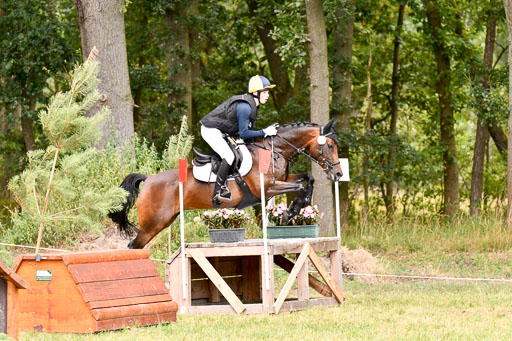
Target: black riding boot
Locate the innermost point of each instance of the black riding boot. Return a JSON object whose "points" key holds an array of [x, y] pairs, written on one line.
{"points": [[221, 192]]}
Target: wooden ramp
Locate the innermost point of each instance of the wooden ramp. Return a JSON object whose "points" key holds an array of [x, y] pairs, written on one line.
{"points": [[91, 291]]}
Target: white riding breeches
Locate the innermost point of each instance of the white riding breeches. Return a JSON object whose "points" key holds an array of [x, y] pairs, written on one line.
{"points": [[213, 137]]}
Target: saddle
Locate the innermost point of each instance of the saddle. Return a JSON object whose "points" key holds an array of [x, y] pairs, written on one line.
{"points": [[205, 165]]}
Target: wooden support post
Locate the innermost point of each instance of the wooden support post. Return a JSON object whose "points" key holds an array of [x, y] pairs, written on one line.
{"points": [[267, 295], [213, 292], [336, 270], [325, 275], [214, 276], [293, 274], [303, 282], [314, 283]]}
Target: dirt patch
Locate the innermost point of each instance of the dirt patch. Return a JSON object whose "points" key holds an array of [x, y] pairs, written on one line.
{"points": [[111, 239], [360, 261]]}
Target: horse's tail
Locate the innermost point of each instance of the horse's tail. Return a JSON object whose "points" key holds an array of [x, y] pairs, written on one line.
{"points": [[131, 185]]}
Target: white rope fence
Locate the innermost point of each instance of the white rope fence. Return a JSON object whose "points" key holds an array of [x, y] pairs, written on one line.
{"points": [[439, 278], [474, 279]]}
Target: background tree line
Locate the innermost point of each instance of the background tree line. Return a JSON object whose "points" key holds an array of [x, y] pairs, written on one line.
{"points": [[419, 86]]}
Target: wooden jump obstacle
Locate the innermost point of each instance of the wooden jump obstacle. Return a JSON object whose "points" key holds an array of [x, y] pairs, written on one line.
{"points": [[10, 283], [89, 291], [229, 278]]}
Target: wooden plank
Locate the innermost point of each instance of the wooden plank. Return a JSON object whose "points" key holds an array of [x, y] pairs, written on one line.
{"points": [[251, 282], [12, 321], [217, 280], [112, 271], [336, 270], [259, 242], [225, 266], [293, 274], [267, 295], [325, 275], [3, 305], [200, 288], [314, 283], [256, 308], [134, 310], [312, 302], [111, 290], [213, 292], [295, 245], [231, 251], [144, 320], [303, 282], [129, 301], [174, 282], [96, 256], [12, 276]]}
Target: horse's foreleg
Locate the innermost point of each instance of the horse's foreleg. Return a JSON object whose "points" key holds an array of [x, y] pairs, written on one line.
{"points": [[282, 187], [303, 198]]}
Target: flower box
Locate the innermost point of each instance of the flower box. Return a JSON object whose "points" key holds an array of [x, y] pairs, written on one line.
{"points": [[294, 231], [226, 235]]}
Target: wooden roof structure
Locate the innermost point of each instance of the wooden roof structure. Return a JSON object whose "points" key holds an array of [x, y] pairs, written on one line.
{"points": [[12, 276], [91, 291]]}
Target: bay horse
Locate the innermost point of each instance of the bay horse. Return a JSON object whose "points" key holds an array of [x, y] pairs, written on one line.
{"points": [[158, 201]]}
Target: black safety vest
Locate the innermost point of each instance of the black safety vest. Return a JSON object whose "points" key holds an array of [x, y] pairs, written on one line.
{"points": [[224, 116]]}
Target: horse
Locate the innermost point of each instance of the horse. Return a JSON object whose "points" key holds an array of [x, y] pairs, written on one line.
{"points": [[158, 200]]}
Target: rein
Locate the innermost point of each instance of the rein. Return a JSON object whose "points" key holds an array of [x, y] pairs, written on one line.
{"points": [[326, 162]]}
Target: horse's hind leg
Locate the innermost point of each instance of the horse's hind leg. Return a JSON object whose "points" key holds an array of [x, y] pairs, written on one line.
{"points": [[150, 226]]}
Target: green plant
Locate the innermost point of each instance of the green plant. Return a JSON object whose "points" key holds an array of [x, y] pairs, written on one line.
{"points": [[226, 219], [53, 191], [308, 215]]}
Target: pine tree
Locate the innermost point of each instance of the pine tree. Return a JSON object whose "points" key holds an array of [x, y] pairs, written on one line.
{"points": [[53, 190], [179, 146]]}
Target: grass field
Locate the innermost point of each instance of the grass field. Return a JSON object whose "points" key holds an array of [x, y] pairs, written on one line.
{"points": [[384, 311], [391, 309]]}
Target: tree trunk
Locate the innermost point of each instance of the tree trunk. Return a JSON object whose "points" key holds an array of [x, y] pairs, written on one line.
{"points": [[319, 104], [283, 90], [178, 60], [27, 127], [447, 121], [368, 125], [395, 93], [102, 26], [342, 92], [508, 12], [481, 130], [195, 72], [499, 137]]}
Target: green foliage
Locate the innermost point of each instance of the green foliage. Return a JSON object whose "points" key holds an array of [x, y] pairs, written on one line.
{"points": [[55, 189], [179, 146]]}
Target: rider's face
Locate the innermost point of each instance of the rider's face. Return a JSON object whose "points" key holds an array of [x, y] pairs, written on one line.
{"points": [[264, 97]]}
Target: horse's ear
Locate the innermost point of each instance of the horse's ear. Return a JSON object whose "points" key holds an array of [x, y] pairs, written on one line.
{"points": [[331, 124]]}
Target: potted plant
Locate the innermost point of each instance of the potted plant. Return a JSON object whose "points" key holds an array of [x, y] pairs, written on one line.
{"points": [[303, 225], [225, 225]]}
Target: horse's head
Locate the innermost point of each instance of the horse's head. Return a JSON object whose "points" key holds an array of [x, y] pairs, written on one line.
{"points": [[322, 146]]}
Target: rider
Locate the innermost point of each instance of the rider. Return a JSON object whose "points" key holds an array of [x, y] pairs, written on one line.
{"points": [[235, 116]]}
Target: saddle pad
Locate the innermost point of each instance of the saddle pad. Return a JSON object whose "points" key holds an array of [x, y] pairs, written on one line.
{"points": [[204, 173]]}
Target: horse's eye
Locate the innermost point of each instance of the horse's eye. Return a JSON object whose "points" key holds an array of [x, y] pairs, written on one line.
{"points": [[330, 146]]}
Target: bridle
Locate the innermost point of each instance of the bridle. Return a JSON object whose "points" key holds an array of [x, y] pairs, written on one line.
{"points": [[326, 164]]}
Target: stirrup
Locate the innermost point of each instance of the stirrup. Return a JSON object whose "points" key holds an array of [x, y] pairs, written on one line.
{"points": [[224, 193]]}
